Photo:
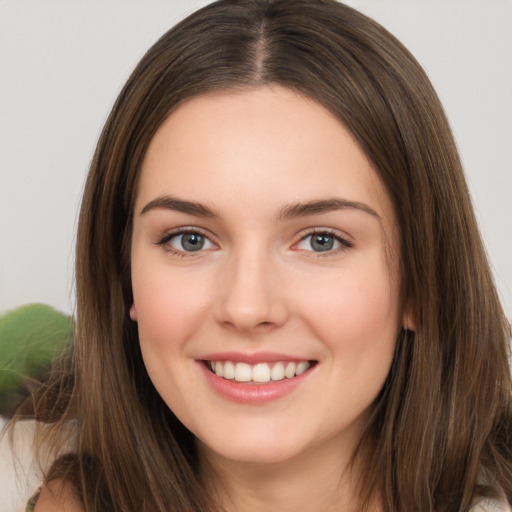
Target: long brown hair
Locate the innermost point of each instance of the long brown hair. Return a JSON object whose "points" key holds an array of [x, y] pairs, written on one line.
{"points": [[440, 431]]}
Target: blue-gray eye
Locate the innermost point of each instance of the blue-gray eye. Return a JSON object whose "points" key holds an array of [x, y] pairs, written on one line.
{"points": [[321, 242], [189, 242]]}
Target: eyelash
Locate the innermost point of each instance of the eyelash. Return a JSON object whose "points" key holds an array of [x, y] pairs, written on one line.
{"points": [[167, 237], [344, 243]]}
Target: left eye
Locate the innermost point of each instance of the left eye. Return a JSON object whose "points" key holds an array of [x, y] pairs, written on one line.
{"points": [[189, 242], [322, 242]]}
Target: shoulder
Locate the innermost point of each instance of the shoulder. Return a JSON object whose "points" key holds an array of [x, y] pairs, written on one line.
{"points": [[489, 505], [57, 496]]}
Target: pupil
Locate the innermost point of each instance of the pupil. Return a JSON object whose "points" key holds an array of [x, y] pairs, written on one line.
{"points": [[192, 242], [322, 242]]}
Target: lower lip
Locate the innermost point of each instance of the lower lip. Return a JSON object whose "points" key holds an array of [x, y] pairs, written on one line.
{"points": [[243, 393]]}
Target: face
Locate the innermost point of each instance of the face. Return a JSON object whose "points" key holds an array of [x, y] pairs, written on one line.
{"points": [[265, 278]]}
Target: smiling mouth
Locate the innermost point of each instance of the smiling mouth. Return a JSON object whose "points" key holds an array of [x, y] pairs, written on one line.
{"points": [[260, 373]]}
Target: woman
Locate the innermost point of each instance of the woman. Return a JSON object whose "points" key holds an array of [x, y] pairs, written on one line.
{"points": [[282, 296]]}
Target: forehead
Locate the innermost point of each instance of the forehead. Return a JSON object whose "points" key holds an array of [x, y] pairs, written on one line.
{"points": [[258, 147]]}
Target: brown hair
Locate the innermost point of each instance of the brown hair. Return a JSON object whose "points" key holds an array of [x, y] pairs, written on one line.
{"points": [[440, 431]]}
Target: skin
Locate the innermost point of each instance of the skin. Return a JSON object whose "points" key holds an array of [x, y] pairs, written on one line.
{"points": [[258, 285], [58, 496]]}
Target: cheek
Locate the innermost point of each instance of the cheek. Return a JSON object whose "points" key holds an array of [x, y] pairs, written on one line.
{"points": [[169, 310], [168, 306], [356, 309]]}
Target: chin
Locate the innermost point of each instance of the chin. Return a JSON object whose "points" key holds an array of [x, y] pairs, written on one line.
{"points": [[250, 450]]}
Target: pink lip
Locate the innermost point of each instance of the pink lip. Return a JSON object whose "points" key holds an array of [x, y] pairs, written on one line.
{"points": [[258, 357], [253, 394]]}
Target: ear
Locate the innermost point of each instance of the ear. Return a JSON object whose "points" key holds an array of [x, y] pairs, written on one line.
{"points": [[408, 322], [133, 313]]}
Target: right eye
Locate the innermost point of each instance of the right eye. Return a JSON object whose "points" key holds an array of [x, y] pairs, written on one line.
{"points": [[186, 241]]}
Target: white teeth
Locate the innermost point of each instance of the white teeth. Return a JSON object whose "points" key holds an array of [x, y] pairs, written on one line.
{"points": [[243, 372], [301, 367], [229, 370], [289, 371], [261, 372], [277, 372]]}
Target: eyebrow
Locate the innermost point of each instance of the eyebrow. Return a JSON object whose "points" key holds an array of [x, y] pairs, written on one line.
{"points": [[290, 211], [179, 205], [317, 207]]}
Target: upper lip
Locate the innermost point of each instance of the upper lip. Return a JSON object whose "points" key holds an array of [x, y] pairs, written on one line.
{"points": [[252, 358]]}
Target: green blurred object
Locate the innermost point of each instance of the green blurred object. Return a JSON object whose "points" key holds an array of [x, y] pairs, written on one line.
{"points": [[31, 336]]}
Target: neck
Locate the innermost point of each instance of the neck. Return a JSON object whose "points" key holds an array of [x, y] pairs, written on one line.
{"points": [[323, 480]]}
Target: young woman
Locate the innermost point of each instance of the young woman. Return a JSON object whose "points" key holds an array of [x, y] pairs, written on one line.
{"points": [[283, 301]]}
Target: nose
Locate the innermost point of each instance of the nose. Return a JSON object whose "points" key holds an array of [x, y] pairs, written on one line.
{"points": [[251, 297]]}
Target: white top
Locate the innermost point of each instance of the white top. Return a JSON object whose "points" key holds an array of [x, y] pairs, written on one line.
{"points": [[492, 506], [19, 475]]}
